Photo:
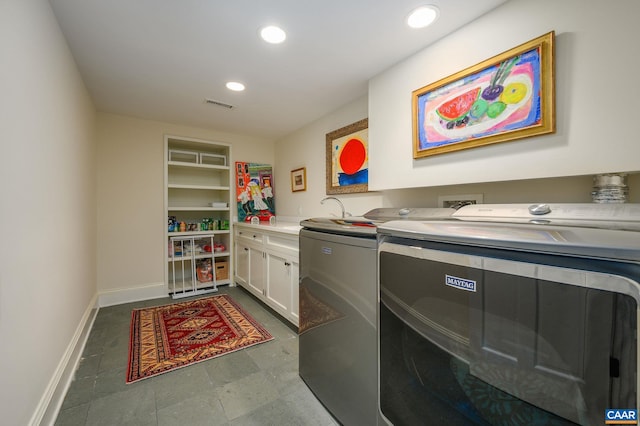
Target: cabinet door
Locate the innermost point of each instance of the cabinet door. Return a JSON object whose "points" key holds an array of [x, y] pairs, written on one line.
{"points": [[242, 264], [295, 286], [279, 282], [256, 268]]}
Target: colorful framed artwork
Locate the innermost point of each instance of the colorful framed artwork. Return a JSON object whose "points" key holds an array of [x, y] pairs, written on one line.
{"points": [[255, 194], [299, 179], [348, 159], [507, 97]]}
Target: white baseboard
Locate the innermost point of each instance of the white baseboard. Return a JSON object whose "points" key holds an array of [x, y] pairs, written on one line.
{"points": [[51, 401], [53, 397], [119, 296]]}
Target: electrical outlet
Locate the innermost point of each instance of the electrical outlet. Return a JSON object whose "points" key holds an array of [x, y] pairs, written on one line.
{"points": [[457, 201]]}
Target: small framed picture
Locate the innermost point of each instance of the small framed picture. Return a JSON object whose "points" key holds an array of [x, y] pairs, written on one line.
{"points": [[299, 179]]}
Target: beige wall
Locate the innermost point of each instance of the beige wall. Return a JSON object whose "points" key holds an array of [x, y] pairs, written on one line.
{"points": [[595, 111], [130, 191], [571, 189], [553, 168], [306, 148], [47, 188]]}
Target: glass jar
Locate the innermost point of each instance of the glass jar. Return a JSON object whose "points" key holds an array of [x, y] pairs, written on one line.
{"points": [[610, 188]]}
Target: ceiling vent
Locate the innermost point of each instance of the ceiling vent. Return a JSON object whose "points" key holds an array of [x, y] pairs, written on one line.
{"points": [[218, 103]]}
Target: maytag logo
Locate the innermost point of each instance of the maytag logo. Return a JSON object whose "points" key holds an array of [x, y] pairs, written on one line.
{"points": [[624, 416], [460, 283]]}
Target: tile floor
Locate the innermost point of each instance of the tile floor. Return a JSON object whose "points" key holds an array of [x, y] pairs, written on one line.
{"points": [[259, 385]]}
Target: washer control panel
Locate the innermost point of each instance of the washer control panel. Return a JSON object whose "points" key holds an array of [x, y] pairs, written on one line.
{"points": [[584, 214]]}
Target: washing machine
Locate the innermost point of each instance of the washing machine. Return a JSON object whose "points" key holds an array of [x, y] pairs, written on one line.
{"points": [[523, 314], [338, 307]]}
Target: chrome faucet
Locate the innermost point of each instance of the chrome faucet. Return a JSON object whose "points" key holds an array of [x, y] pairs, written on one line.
{"points": [[339, 202]]}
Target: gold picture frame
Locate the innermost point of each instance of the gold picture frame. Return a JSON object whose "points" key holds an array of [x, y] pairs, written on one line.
{"points": [[507, 97], [347, 159], [299, 179]]}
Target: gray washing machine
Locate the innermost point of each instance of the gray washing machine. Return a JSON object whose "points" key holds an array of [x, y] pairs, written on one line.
{"points": [[510, 314], [338, 303]]}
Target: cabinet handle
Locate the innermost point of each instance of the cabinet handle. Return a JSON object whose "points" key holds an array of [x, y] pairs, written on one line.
{"points": [[246, 249], [287, 264]]}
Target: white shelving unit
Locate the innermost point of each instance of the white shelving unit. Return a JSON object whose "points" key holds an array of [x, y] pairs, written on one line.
{"points": [[198, 200]]}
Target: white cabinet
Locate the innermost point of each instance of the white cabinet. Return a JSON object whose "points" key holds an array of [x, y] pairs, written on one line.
{"points": [[267, 266], [242, 263], [198, 200], [282, 283], [295, 287], [256, 271], [279, 280], [249, 260]]}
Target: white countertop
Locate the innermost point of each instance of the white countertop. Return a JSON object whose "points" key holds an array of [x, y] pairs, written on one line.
{"points": [[286, 227]]}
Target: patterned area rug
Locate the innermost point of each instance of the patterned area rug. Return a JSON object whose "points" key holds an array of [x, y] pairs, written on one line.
{"points": [[165, 338]]}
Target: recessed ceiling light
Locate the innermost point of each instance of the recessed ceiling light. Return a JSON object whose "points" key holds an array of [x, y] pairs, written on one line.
{"points": [[235, 86], [273, 34], [422, 16]]}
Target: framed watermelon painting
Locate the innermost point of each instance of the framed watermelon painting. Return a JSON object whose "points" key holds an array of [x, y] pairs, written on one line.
{"points": [[507, 97]]}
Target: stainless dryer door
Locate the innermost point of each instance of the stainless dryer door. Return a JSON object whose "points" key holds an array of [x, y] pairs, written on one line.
{"points": [[483, 336]]}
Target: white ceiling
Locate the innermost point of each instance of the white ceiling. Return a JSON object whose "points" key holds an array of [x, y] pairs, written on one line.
{"points": [[160, 59]]}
